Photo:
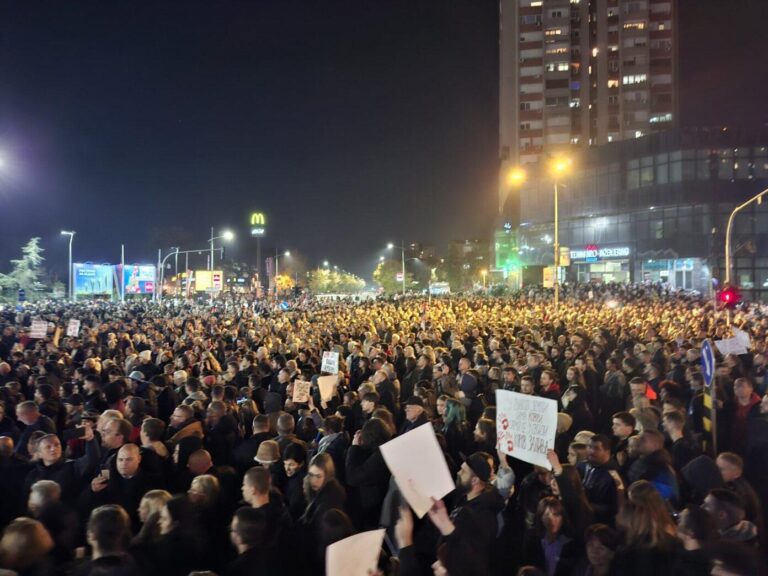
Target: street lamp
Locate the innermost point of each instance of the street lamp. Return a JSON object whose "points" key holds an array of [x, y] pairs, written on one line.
{"points": [[287, 253], [559, 167], [325, 263], [516, 177], [71, 234], [227, 236], [484, 273], [390, 246], [758, 198]]}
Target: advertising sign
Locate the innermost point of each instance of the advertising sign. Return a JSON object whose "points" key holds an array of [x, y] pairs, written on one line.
{"points": [[595, 253], [92, 279], [526, 426], [207, 280], [139, 279], [258, 224]]}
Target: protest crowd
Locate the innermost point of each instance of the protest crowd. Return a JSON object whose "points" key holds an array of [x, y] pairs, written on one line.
{"points": [[179, 438]]}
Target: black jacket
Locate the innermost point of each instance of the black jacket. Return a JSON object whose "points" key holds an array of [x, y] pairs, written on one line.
{"points": [[367, 472], [601, 488], [71, 475]]}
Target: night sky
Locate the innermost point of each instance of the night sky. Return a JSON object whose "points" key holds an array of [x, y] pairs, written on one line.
{"points": [[349, 123]]}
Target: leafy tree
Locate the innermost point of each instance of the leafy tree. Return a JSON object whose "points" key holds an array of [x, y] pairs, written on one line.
{"points": [[325, 281], [284, 282], [385, 276], [26, 271]]}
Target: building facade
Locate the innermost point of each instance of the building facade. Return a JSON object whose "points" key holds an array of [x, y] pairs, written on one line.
{"points": [[656, 209], [577, 73]]}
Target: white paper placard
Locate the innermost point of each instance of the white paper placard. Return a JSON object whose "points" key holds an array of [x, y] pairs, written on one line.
{"points": [[39, 329], [357, 555], [327, 385], [73, 328], [301, 391], [330, 362], [526, 426], [419, 468]]}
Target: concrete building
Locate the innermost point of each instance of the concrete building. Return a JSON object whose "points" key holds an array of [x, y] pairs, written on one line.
{"points": [[576, 73]]}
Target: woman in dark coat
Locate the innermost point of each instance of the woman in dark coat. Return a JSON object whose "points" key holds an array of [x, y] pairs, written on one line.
{"points": [[367, 473], [322, 492]]}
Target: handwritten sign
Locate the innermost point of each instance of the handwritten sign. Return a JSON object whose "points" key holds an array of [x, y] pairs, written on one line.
{"points": [[419, 468], [327, 385], [73, 328], [39, 329], [526, 426], [301, 391], [330, 362]]}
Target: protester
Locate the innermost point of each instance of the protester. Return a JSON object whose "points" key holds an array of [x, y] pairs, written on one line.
{"points": [[198, 399]]}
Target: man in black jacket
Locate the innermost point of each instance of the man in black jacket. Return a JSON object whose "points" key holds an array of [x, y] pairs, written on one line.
{"points": [[601, 480], [415, 415], [257, 545], [29, 414]]}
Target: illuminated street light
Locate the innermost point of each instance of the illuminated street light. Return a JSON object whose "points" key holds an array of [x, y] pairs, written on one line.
{"points": [[559, 167], [381, 258], [226, 235], [516, 177]]}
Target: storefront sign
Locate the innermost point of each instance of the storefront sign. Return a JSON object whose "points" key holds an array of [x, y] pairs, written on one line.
{"points": [[593, 253]]}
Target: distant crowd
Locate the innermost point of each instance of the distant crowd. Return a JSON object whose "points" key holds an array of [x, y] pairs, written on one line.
{"points": [[165, 439]]}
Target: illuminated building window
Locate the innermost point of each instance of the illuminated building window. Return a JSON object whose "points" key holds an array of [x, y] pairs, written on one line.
{"points": [[634, 26], [613, 83]]}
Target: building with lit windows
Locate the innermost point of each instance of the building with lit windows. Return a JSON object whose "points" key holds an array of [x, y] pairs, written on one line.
{"points": [[652, 209], [577, 73]]}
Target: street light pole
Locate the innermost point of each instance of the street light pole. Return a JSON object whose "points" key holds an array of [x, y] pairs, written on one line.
{"points": [[557, 251], [758, 198], [71, 234], [402, 258], [211, 260]]}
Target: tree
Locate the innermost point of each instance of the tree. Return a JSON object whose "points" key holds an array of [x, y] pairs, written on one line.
{"points": [[325, 281], [385, 276], [27, 270], [284, 282], [319, 281]]}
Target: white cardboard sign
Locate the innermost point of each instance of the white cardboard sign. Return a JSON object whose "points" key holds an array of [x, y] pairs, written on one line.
{"points": [[301, 391], [526, 426], [330, 362], [73, 328], [419, 468], [327, 385], [357, 555], [39, 329]]}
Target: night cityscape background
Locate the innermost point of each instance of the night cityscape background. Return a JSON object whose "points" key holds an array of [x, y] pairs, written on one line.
{"points": [[350, 124]]}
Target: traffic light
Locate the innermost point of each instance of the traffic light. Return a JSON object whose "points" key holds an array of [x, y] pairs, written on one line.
{"points": [[730, 296]]}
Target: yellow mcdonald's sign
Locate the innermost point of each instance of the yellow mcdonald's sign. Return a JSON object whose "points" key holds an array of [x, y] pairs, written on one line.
{"points": [[258, 219]]}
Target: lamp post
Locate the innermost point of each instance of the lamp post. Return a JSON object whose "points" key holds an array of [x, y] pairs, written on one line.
{"points": [[559, 167], [484, 273], [71, 234], [226, 235], [277, 268], [390, 246], [757, 198]]}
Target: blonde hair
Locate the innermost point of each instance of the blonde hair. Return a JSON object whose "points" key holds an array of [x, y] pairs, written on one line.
{"points": [[155, 500], [208, 486]]}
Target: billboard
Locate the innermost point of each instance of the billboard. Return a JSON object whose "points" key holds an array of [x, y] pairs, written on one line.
{"points": [[139, 278], [206, 280], [92, 279]]}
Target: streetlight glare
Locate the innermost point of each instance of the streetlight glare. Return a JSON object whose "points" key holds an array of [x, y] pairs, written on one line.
{"points": [[381, 258], [228, 235], [287, 253], [560, 166], [390, 246], [516, 177], [325, 263]]}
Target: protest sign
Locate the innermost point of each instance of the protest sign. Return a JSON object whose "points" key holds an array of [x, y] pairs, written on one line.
{"points": [[327, 385], [731, 346], [357, 555], [742, 338], [73, 328], [419, 468], [301, 391], [526, 426], [330, 362], [39, 329]]}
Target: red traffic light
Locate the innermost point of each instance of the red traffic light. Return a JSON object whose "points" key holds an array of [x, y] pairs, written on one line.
{"points": [[730, 296]]}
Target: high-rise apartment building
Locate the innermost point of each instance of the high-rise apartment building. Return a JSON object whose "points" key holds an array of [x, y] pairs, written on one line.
{"points": [[583, 72]]}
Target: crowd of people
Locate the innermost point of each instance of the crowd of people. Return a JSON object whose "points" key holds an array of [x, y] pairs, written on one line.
{"points": [[165, 439]]}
